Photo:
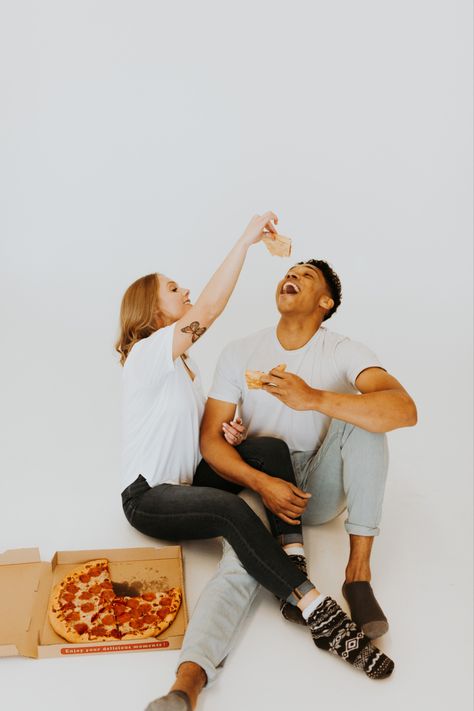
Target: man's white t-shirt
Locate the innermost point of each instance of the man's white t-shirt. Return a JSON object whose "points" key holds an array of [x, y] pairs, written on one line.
{"points": [[328, 361], [162, 411]]}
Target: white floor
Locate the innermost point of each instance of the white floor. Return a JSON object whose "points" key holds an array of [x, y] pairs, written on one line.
{"points": [[140, 137], [421, 569]]}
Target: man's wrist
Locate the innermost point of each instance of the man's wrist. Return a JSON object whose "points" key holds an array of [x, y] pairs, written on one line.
{"points": [[315, 399], [259, 481], [249, 477]]}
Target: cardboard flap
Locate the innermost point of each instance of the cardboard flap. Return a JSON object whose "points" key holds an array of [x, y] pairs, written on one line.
{"points": [[116, 554], [20, 555], [24, 582]]}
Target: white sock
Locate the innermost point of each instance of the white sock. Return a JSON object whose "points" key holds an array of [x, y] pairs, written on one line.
{"points": [[309, 609], [294, 550]]}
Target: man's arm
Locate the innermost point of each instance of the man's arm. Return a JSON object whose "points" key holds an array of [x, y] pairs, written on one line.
{"points": [[283, 498], [383, 405]]}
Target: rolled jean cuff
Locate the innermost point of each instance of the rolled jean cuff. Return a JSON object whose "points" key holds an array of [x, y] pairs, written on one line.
{"points": [[358, 530], [285, 538], [299, 592]]}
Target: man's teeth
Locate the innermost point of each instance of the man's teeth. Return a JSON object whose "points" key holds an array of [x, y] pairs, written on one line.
{"points": [[290, 288]]}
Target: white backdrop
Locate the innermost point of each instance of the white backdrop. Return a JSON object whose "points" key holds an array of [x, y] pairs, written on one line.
{"points": [[141, 136]]}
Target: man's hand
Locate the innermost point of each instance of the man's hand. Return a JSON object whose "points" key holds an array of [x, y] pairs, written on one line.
{"points": [[289, 388], [381, 405], [283, 498], [234, 432]]}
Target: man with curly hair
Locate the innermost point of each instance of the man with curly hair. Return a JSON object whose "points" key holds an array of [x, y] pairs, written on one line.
{"points": [[332, 404]]}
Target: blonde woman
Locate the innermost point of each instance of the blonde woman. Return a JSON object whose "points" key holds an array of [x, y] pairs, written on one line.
{"points": [[162, 408]]}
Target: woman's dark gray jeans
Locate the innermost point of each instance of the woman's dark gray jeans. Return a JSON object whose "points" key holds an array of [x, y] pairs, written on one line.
{"points": [[211, 507]]}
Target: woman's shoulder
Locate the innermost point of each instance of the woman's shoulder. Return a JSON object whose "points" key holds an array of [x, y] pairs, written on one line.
{"points": [[157, 339], [158, 346]]}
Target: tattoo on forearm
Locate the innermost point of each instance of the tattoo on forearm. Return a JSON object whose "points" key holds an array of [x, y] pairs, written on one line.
{"points": [[195, 329]]}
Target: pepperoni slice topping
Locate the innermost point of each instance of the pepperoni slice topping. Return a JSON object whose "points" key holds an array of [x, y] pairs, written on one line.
{"points": [[162, 612], [149, 619], [85, 596], [81, 628], [87, 607], [73, 616], [126, 617], [94, 572], [71, 588], [84, 578], [136, 624], [166, 601], [108, 595], [149, 596], [116, 634], [107, 584], [98, 631], [133, 603], [95, 589], [108, 620], [119, 609], [69, 597], [144, 608]]}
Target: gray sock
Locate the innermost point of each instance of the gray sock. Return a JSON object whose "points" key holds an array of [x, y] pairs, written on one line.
{"points": [[174, 701]]}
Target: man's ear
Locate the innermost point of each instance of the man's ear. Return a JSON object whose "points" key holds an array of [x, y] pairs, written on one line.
{"points": [[326, 302]]}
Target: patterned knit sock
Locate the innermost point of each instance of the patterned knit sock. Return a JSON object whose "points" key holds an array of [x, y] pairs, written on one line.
{"points": [[291, 612], [335, 632]]}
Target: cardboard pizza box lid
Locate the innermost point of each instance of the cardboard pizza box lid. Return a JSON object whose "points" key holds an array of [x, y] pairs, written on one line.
{"points": [[24, 589]]}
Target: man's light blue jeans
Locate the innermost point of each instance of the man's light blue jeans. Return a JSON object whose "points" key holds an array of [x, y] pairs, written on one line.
{"points": [[349, 470]]}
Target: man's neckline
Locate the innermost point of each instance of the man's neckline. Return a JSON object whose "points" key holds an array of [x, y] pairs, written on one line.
{"points": [[301, 348]]}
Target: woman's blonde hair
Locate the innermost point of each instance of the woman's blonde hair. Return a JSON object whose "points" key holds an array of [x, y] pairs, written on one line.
{"points": [[137, 314]]}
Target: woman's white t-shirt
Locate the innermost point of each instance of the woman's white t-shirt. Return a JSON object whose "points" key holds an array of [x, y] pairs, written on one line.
{"points": [[162, 411]]}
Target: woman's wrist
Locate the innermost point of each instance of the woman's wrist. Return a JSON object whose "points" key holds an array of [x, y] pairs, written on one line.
{"points": [[243, 243]]}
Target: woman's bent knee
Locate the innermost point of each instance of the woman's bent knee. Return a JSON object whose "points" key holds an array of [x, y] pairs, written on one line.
{"points": [[276, 446]]}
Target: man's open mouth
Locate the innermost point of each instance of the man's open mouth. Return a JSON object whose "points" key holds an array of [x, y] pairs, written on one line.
{"points": [[290, 287]]}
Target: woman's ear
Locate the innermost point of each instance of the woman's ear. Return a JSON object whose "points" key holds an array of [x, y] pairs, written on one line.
{"points": [[158, 320]]}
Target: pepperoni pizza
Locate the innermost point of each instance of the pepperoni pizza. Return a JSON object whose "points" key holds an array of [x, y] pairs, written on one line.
{"points": [[84, 608]]}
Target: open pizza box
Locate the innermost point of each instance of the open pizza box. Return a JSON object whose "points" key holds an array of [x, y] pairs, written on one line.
{"points": [[26, 583]]}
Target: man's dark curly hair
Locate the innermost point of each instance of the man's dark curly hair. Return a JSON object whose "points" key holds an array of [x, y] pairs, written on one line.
{"points": [[331, 279]]}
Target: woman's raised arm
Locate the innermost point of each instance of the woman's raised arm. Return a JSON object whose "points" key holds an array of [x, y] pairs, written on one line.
{"points": [[217, 292]]}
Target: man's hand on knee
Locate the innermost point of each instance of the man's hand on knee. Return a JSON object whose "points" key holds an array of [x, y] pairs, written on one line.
{"points": [[283, 498]]}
